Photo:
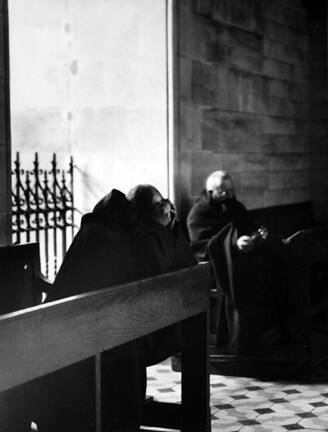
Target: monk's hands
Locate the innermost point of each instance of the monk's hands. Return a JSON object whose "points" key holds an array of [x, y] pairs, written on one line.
{"points": [[245, 243]]}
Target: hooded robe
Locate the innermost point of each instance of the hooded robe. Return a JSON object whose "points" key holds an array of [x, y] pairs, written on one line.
{"points": [[207, 217], [113, 246], [251, 287]]}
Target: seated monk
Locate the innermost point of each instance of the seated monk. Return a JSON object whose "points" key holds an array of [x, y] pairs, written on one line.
{"points": [[119, 242], [217, 207], [248, 266], [158, 219]]}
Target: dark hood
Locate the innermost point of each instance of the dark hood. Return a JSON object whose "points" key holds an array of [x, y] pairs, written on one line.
{"points": [[114, 211]]}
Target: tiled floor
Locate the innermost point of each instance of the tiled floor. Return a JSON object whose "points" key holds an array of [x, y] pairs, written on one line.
{"points": [[250, 405]]}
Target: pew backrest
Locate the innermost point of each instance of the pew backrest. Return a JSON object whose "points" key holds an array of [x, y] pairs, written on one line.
{"points": [[42, 339], [285, 219], [19, 277]]}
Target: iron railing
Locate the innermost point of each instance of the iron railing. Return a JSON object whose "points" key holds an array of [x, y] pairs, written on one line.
{"points": [[43, 209]]}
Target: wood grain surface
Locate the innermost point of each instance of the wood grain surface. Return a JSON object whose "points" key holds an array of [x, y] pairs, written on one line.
{"points": [[42, 339]]}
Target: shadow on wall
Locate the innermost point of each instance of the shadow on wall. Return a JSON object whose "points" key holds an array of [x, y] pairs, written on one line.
{"points": [[89, 190], [186, 203]]}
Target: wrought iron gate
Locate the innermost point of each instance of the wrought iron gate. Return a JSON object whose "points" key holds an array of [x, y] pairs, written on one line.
{"points": [[43, 210]]}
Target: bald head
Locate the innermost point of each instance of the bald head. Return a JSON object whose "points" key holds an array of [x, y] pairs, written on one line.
{"points": [[219, 186]]}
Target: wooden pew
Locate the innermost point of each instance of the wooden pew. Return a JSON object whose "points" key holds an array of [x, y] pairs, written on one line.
{"points": [[21, 286], [22, 283], [42, 339], [286, 219], [304, 355]]}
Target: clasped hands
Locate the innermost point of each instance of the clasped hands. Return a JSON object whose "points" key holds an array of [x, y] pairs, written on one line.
{"points": [[247, 243]]}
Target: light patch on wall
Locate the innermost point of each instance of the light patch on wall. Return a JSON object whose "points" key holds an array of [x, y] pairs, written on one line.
{"points": [[89, 79]]}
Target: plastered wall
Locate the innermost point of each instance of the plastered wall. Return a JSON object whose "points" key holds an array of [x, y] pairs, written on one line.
{"points": [[5, 176], [89, 80]]}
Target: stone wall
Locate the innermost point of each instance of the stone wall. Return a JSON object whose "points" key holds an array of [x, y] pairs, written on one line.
{"points": [[5, 176], [319, 107], [252, 99]]}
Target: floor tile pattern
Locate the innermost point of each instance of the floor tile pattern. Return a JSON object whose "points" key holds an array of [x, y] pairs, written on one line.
{"points": [[251, 405]]}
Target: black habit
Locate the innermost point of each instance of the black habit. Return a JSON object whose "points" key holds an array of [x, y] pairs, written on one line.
{"points": [[113, 246], [207, 217], [251, 287]]}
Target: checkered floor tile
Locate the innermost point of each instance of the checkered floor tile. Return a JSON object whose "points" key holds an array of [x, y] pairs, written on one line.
{"points": [[250, 405]]}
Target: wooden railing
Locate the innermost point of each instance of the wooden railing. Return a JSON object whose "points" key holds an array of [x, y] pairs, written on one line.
{"points": [[43, 339]]}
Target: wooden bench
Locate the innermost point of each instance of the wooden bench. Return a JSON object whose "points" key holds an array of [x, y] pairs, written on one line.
{"points": [[281, 220], [285, 219], [305, 356], [22, 283], [31, 342]]}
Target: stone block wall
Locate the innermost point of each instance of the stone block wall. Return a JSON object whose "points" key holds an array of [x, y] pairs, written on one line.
{"points": [[5, 160], [252, 99], [318, 119]]}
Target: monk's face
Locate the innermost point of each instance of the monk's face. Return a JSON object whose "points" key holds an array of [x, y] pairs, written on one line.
{"points": [[223, 189], [162, 209]]}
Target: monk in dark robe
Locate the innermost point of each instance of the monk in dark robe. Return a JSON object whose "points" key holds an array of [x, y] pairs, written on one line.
{"points": [[216, 207], [158, 219], [247, 267], [117, 244]]}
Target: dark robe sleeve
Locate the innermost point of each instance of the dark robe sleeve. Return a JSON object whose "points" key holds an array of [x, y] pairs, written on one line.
{"points": [[100, 258], [253, 289], [201, 228], [205, 221], [242, 220], [238, 322], [175, 254]]}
